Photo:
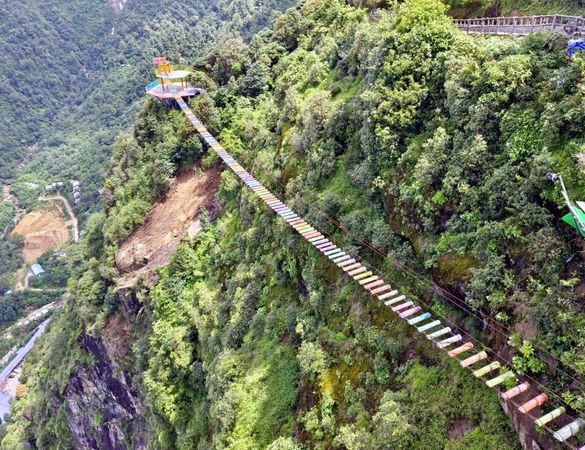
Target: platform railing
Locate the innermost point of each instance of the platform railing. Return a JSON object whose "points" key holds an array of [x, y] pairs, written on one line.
{"points": [[152, 85], [573, 26]]}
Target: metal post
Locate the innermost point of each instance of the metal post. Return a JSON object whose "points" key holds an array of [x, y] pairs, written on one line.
{"points": [[578, 221], [554, 23]]}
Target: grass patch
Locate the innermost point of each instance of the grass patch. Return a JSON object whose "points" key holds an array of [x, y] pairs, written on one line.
{"points": [[266, 396]]}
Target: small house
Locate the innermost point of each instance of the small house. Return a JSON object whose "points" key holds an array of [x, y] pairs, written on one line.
{"points": [[36, 270]]}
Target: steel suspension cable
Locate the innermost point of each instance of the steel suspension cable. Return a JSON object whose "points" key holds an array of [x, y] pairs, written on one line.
{"points": [[443, 293]]}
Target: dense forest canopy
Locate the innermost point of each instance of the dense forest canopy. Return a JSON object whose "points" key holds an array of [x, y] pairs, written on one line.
{"points": [[73, 81], [85, 84], [424, 143], [49, 53]]}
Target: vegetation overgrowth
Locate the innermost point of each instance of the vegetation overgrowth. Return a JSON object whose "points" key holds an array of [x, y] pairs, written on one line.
{"points": [[427, 143], [72, 81]]}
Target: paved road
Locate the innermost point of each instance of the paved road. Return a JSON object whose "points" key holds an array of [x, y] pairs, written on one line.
{"points": [[36, 314], [22, 352]]}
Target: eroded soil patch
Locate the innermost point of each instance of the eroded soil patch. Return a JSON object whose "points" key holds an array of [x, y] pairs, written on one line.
{"points": [[42, 231], [149, 247]]}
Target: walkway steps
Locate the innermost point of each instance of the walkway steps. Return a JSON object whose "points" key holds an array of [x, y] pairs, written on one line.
{"points": [[447, 342], [390, 294], [473, 359], [382, 290], [410, 312], [437, 334], [537, 401], [511, 393], [500, 379], [420, 318], [428, 326], [541, 421], [486, 369], [570, 430], [461, 349]]}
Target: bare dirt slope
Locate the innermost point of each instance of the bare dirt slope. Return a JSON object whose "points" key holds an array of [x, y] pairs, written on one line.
{"points": [[73, 223], [177, 214], [42, 231]]}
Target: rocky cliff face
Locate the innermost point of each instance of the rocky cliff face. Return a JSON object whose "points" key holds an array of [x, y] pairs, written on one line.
{"points": [[104, 406], [524, 426]]}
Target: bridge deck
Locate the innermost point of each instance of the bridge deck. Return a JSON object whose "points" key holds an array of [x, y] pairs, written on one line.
{"points": [[573, 26], [390, 297]]}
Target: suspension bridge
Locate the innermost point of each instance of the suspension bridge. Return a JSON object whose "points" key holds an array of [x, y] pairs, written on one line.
{"points": [[526, 395]]}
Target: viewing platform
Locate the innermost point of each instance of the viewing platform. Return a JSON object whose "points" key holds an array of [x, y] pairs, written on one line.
{"points": [[171, 81], [170, 89]]}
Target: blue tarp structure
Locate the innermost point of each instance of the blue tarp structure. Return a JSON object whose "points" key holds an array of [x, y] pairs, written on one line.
{"points": [[576, 45], [37, 270]]}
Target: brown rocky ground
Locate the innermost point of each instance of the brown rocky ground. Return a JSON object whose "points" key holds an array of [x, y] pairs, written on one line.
{"points": [[42, 231], [174, 216]]}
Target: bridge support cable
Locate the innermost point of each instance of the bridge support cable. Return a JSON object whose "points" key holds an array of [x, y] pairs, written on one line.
{"points": [[444, 337], [457, 302]]}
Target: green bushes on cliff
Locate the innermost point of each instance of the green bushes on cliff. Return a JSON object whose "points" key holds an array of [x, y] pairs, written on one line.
{"points": [[429, 144], [421, 140]]}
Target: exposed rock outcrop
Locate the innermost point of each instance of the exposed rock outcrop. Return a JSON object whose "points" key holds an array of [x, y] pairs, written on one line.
{"points": [[104, 406]]}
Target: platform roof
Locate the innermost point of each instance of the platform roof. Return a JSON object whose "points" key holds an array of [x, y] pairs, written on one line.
{"points": [[37, 269], [176, 74], [156, 90]]}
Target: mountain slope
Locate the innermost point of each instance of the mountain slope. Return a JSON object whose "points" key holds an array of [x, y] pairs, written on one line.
{"points": [[80, 90], [79, 80], [48, 53], [387, 129]]}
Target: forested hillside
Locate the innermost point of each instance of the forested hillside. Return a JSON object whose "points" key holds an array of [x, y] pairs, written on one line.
{"points": [[49, 53], [74, 80], [413, 145]]}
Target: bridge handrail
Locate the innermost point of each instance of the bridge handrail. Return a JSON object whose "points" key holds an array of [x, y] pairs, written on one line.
{"points": [[561, 16], [514, 25]]}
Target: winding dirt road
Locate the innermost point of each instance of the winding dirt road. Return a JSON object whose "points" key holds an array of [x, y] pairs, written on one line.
{"points": [[73, 222]]}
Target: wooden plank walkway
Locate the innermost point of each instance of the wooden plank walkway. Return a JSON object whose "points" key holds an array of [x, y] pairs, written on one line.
{"points": [[493, 374], [573, 26]]}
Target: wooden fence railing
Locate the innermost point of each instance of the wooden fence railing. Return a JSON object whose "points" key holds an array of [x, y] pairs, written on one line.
{"points": [[574, 26]]}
